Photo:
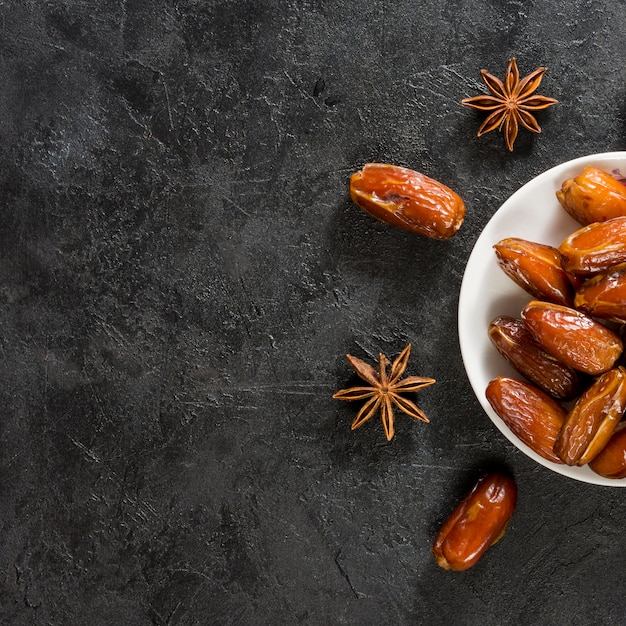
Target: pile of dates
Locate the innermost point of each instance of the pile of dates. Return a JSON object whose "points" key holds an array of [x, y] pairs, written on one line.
{"points": [[568, 340]]}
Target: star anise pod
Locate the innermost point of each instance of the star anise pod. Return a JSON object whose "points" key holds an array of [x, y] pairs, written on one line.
{"points": [[511, 103], [384, 390]]}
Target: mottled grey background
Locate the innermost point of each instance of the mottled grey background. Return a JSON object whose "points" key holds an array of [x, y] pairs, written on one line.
{"points": [[182, 272]]}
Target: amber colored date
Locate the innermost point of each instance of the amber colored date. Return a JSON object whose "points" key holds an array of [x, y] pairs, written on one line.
{"points": [[593, 196], [595, 248], [533, 416], [536, 268], [515, 343], [477, 522], [604, 295], [610, 462], [572, 337], [408, 199], [593, 418]]}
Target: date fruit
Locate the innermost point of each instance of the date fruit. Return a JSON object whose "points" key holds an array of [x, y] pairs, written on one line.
{"points": [[407, 199], [604, 295], [572, 337], [515, 343], [595, 248], [593, 196], [477, 522], [610, 462], [536, 268], [593, 418], [533, 416]]}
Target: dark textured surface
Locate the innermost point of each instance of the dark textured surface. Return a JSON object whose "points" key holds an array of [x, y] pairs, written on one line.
{"points": [[182, 272]]}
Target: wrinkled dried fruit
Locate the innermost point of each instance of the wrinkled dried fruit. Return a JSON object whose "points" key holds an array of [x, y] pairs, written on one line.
{"points": [[515, 343], [407, 199], [532, 415], [477, 522], [536, 268], [572, 337], [604, 295], [593, 419], [593, 196], [595, 248], [610, 462]]}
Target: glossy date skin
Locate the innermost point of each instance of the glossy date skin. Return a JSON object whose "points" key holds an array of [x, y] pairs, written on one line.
{"points": [[515, 343], [477, 522], [407, 199], [604, 295], [610, 462], [572, 337], [536, 268], [593, 419], [594, 248], [593, 196], [533, 416]]}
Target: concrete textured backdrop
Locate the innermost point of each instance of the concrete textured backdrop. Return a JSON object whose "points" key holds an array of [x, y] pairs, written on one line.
{"points": [[182, 272]]}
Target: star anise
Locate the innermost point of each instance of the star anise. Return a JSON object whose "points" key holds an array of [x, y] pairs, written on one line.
{"points": [[384, 390], [511, 103]]}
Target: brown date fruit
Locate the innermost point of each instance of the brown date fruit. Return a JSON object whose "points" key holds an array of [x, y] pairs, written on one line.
{"points": [[536, 268], [593, 418], [572, 337], [593, 196], [407, 199], [595, 248], [604, 295], [610, 462], [515, 343], [533, 416], [478, 521]]}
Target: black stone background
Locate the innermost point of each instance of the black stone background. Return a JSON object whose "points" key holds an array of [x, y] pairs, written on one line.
{"points": [[182, 273]]}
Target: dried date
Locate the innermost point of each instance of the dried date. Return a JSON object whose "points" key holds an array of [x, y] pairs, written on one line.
{"points": [[536, 268], [592, 420], [595, 248], [515, 343], [408, 199], [610, 462], [477, 522], [533, 416], [604, 295], [592, 196], [572, 337]]}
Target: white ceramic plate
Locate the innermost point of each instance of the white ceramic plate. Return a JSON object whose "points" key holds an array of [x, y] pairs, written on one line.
{"points": [[532, 213]]}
